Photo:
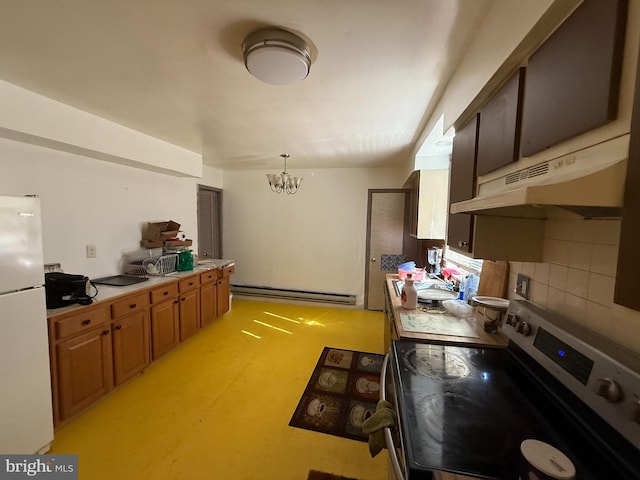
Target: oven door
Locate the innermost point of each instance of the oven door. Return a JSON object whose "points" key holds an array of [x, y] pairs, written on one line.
{"points": [[397, 462], [388, 393]]}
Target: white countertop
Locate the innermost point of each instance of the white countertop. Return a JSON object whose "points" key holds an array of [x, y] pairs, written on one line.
{"points": [[107, 292]]}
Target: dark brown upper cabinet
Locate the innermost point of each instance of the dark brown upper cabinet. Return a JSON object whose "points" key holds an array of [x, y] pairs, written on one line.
{"points": [[573, 79], [462, 183], [499, 137], [626, 290]]}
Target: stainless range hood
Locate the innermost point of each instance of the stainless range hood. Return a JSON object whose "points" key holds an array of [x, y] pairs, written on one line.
{"points": [[588, 182]]}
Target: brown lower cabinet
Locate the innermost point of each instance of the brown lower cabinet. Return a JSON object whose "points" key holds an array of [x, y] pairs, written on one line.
{"points": [[208, 297], [189, 289], [165, 326], [131, 353], [223, 290], [98, 347], [81, 361]]}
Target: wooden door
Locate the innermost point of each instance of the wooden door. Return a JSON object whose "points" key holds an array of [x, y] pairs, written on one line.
{"points": [[84, 370], [165, 327], [131, 353], [386, 230], [209, 222], [189, 313]]}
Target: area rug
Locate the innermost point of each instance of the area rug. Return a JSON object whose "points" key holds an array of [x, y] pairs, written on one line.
{"points": [[316, 475], [341, 394]]}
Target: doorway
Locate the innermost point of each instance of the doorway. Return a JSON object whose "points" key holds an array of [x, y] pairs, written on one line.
{"points": [[387, 240], [209, 222]]}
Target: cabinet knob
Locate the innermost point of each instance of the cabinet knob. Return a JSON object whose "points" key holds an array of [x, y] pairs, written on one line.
{"points": [[105, 332], [133, 305], [165, 293], [176, 301], [373, 259], [462, 244], [118, 327], [86, 322]]}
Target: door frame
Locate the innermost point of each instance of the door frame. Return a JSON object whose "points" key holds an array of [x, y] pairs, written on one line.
{"points": [[408, 242]]}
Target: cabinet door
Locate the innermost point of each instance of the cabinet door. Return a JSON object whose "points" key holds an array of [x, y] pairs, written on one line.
{"points": [[165, 329], [626, 290], [223, 289], [573, 79], [131, 352], [462, 184], [499, 136], [84, 371], [208, 304], [189, 313], [413, 184]]}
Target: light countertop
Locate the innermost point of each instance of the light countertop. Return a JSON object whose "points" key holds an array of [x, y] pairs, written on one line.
{"points": [[108, 292], [473, 325]]}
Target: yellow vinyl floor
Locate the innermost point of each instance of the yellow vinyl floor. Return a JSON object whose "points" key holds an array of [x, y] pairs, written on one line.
{"points": [[218, 406]]}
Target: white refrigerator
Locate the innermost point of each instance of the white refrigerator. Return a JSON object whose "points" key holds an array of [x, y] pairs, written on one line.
{"points": [[26, 416]]}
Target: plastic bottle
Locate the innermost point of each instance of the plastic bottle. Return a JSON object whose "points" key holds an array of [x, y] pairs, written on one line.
{"points": [[471, 287], [409, 294], [462, 287]]}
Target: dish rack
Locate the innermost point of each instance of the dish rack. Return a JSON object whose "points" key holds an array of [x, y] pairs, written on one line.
{"points": [[153, 266]]}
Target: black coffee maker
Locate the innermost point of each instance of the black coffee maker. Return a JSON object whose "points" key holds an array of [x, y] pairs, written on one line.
{"points": [[64, 289]]}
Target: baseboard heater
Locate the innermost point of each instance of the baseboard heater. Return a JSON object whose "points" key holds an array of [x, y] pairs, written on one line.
{"points": [[344, 299]]}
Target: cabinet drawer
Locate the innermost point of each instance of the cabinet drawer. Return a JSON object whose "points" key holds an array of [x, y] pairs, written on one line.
{"points": [[167, 291], [81, 322], [129, 305], [189, 283], [226, 271], [208, 276]]}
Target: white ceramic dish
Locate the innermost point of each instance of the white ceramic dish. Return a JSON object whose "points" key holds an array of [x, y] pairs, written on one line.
{"points": [[436, 294], [492, 302]]}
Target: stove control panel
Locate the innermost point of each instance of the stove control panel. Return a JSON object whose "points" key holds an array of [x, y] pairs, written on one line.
{"points": [[600, 373]]}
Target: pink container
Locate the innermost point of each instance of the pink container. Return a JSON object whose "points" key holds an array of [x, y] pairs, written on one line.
{"points": [[417, 274]]}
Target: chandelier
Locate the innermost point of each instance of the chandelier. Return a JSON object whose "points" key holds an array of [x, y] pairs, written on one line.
{"points": [[284, 182]]}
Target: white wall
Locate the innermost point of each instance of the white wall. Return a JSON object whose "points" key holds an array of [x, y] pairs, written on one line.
{"points": [[88, 201], [314, 240]]}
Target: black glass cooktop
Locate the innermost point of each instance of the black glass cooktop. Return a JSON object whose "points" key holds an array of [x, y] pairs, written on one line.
{"points": [[467, 410]]}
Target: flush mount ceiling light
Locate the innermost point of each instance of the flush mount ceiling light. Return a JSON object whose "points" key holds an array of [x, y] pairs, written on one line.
{"points": [[285, 182], [276, 56]]}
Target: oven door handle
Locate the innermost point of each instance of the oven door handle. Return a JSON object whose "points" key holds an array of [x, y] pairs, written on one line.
{"points": [[388, 438]]}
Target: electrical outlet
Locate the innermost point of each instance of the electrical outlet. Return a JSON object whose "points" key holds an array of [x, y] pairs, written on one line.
{"points": [[91, 251], [523, 286]]}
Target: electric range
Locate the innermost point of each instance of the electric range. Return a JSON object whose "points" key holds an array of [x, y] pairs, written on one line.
{"points": [[467, 410]]}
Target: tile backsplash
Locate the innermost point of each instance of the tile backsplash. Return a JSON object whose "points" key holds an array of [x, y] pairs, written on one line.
{"points": [[577, 278]]}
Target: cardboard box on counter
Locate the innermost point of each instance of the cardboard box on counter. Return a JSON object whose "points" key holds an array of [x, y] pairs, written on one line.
{"points": [[178, 243], [158, 231], [151, 243]]}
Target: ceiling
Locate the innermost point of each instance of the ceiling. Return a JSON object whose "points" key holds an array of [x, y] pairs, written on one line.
{"points": [[173, 69]]}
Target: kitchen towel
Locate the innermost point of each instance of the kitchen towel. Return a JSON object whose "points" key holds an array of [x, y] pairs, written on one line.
{"points": [[374, 426]]}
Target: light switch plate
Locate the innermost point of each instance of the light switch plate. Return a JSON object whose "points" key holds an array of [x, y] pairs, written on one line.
{"points": [[523, 286], [91, 251]]}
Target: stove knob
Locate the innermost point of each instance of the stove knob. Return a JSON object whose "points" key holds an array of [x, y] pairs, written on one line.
{"points": [[523, 328], [511, 319], [610, 390]]}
